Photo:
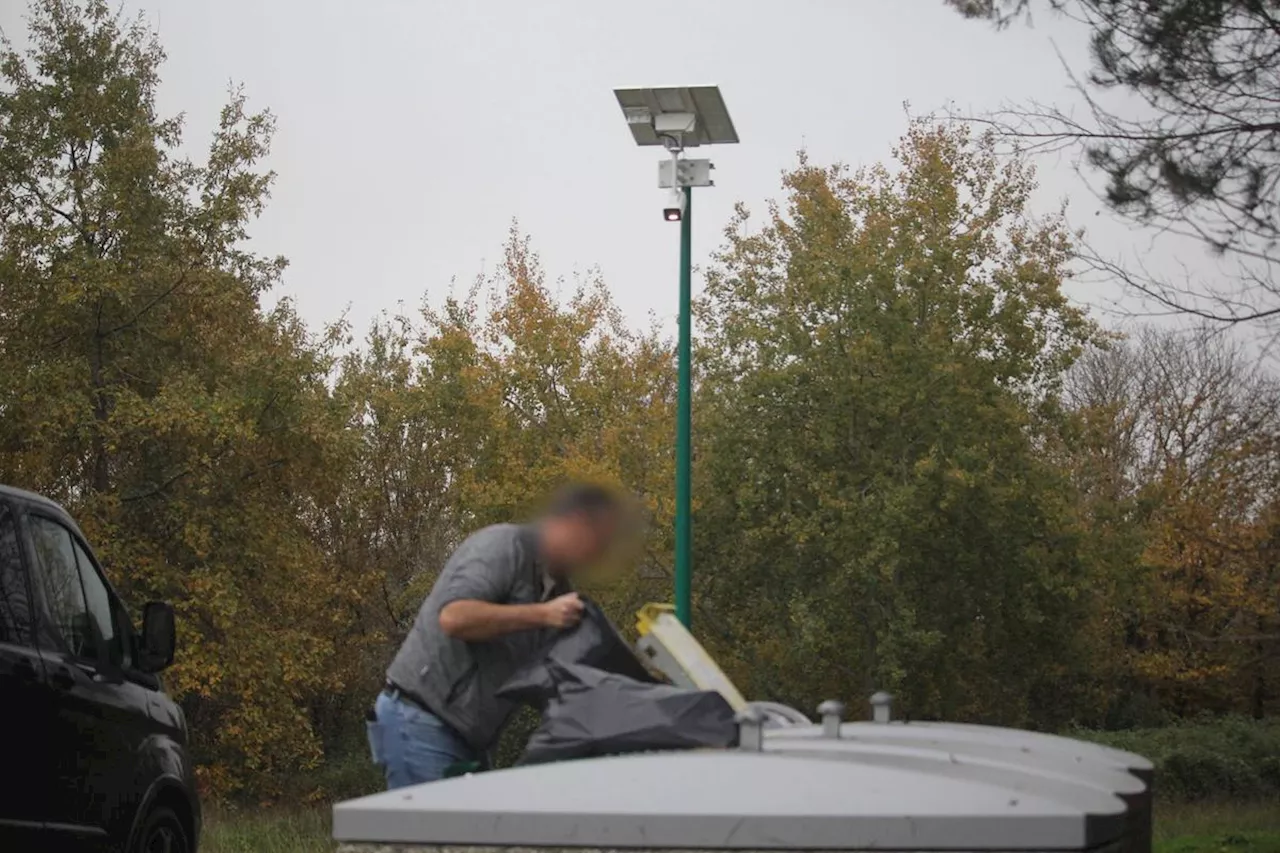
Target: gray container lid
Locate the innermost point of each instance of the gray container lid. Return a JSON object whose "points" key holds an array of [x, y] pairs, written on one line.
{"points": [[991, 740], [1054, 776], [741, 800]]}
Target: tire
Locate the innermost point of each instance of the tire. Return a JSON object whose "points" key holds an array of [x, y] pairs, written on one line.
{"points": [[162, 832]]}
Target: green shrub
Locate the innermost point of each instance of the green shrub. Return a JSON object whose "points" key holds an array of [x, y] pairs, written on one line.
{"points": [[348, 775], [1206, 759], [515, 737]]}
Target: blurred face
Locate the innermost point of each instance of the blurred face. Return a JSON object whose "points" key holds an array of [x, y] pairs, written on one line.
{"points": [[573, 542]]}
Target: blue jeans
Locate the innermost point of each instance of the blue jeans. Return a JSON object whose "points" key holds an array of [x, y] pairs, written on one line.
{"points": [[415, 746]]}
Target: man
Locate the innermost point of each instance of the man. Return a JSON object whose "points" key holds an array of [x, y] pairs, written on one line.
{"points": [[500, 597]]}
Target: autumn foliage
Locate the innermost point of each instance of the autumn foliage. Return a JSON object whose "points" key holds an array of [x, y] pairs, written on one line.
{"points": [[918, 466]]}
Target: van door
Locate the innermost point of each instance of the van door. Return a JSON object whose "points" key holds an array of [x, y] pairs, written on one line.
{"points": [[25, 704], [101, 719]]}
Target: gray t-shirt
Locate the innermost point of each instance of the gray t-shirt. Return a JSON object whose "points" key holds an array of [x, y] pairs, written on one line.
{"points": [[457, 679]]}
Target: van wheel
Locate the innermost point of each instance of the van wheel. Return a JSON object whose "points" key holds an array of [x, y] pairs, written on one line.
{"points": [[162, 833]]}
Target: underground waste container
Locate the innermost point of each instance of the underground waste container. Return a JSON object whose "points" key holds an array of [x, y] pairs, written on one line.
{"points": [[831, 786]]}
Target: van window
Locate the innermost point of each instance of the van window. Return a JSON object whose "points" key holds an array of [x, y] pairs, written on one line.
{"points": [[99, 606], [15, 609], [78, 602], [59, 580]]}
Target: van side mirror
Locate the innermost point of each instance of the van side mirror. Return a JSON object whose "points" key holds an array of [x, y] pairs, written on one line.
{"points": [[159, 637]]}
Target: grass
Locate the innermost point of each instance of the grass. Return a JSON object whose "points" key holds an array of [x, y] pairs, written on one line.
{"points": [[1210, 827], [1190, 828], [271, 831]]}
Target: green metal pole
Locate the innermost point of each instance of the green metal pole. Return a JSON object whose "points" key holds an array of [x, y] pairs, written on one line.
{"points": [[684, 421]]}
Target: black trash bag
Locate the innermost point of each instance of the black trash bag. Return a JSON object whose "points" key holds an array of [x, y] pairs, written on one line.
{"points": [[602, 713], [593, 642]]}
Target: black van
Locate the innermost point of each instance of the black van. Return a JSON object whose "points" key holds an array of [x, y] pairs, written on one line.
{"points": [[93, 753]]}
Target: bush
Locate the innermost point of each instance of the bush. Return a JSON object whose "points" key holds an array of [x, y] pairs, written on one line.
{"points": [[1227, 758], [515, 737]]}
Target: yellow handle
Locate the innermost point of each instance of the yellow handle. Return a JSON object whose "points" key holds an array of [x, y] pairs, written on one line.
{"points": [[647, 615]]}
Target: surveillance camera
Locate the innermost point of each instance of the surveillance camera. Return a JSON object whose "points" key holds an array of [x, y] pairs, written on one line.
{"points": [[674, 211]]}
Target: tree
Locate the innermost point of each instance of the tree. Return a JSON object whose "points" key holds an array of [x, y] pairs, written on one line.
{"points": [[1198, 155], [874, 512], [143, 385], [1187, 433], [471, 414], [553, 392]]}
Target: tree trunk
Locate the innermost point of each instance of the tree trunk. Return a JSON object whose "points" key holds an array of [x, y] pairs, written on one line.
{"points": [[100, 480]]}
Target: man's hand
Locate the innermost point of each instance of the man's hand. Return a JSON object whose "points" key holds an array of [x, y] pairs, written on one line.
{"points": [[563, 612]]}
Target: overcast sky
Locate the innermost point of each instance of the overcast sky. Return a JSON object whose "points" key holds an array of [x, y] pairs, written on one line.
{"points": [[410, 134]]}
